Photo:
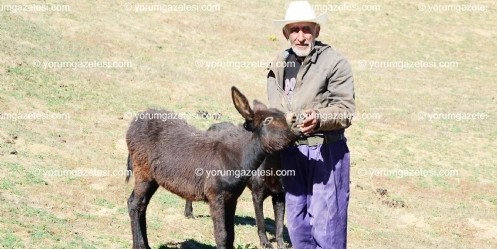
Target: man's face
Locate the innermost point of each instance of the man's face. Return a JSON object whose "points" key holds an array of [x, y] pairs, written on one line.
{"points": [[301, 36]]}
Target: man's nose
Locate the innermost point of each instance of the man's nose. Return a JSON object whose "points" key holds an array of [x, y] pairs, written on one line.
{"points": [[300, 36]]}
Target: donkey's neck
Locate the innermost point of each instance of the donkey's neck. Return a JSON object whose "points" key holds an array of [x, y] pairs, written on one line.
{"points": [[253, 155]]}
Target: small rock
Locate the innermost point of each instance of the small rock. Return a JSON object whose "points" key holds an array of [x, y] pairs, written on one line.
{"points": [[381, 191], [394, 203]]}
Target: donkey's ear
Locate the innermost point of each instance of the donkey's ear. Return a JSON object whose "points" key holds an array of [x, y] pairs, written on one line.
{"points": [[241, 104], [259, 106]]}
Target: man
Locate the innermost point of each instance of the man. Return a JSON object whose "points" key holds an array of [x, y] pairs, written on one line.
{"points": [[316, 90]]}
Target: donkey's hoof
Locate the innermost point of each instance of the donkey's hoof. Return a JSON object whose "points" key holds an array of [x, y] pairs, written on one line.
{"points": [[267, 245], [141, 247], [281, 245]]}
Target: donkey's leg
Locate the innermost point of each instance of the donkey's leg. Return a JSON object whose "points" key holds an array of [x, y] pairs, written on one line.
{"points": [[229, 220], [217, 211], [258, 200], [137, 208], [188, 209], [279, 215]]}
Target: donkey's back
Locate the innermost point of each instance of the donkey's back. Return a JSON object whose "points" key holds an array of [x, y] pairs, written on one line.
{"points": [[168, 150]]}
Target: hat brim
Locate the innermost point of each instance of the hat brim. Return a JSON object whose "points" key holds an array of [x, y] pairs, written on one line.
{"points": [[321, 19]]}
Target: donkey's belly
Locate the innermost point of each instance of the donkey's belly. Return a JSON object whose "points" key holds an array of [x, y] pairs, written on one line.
{"points": [[184, 190]]}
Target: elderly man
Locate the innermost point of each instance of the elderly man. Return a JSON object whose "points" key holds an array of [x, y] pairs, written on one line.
{"points": [[316, 90]]}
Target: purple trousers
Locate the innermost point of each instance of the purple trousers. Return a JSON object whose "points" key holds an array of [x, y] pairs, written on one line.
{"points": [[317, 195]]}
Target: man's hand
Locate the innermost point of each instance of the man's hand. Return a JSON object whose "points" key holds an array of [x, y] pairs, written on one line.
{"points": [[310, 122]]}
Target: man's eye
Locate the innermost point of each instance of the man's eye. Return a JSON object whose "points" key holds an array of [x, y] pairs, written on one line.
{"points": [[295, 30], [306, 29]]}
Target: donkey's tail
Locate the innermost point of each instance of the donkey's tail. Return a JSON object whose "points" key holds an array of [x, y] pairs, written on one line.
{"points": [[130, 168]]}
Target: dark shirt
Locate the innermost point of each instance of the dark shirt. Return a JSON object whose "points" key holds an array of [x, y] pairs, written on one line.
{"points": [[290, 75]]}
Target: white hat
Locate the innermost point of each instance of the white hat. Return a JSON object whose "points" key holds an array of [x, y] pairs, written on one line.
{"points": [[300, 11]]}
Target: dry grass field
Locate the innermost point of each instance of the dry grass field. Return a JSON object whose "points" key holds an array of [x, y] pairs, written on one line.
{"points": [[423, 145]]}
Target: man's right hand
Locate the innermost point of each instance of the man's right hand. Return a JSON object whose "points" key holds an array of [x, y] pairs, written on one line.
{"points": [[310, 122]]}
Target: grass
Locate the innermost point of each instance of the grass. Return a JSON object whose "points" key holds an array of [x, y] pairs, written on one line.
{"points": [[166, 51]]}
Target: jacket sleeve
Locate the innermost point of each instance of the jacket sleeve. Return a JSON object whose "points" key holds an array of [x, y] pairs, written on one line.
{"points": [[341, 98], [275, 94], [271, 88]]}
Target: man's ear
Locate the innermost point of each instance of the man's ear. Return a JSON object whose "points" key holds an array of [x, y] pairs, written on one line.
{"points": [[285, 33], [318, 28]]}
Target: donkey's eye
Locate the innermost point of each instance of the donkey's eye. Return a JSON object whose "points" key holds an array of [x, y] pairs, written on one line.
{"points": [[267, 121]]}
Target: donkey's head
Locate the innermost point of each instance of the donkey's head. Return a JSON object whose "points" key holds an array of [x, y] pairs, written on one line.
{"points": [[268, 124]]}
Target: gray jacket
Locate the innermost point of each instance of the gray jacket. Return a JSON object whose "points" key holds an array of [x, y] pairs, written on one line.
{"points": [[324, 83]]}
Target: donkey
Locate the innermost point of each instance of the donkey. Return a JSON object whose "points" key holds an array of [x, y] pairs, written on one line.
{"points": [[261, 187], [173, 154]]}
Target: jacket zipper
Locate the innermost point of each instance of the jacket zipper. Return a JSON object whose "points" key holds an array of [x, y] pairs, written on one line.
{"points": [[299, 80], [281, 90]]}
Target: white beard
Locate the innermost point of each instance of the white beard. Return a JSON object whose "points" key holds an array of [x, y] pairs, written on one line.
{"points": [[303, 53]]}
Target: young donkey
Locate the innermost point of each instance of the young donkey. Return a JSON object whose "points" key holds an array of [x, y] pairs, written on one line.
{"points": [[262, 186], [172, 154]]}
